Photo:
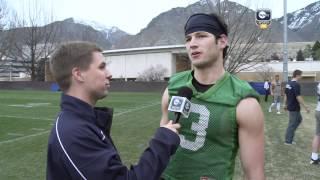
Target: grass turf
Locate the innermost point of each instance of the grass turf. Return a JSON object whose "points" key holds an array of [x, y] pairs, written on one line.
{"points": [[26, 119]]}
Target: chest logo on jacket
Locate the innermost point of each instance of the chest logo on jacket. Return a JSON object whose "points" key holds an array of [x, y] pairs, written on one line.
{"points": [[103, 136]]}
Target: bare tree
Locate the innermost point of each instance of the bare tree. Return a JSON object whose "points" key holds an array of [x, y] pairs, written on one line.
{"points": [[247, 43], [264, 72], [34, 39], [3, 14], [4, 41], [156, 73]]}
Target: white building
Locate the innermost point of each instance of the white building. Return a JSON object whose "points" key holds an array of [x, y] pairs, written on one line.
{"points": [[130, 63]]}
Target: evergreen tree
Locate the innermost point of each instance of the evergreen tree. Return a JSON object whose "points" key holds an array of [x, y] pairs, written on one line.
{"points": [[300, 55], [307, 52], [317, 55], [315, 49]]}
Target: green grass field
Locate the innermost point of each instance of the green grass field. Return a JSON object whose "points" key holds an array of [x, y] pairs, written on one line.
{"points": [[26, 118]]}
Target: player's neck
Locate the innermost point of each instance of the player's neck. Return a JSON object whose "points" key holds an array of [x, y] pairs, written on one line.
{"points": [[208, 75]]}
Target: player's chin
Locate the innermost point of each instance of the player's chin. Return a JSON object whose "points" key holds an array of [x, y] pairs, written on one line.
{"points": [[199, 64]]}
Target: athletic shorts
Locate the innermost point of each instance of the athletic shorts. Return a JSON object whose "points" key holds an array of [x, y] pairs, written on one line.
{"points": [[317, 114], [276, 99]]}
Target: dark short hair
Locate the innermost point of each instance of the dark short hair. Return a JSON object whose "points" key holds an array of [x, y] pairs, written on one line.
{"points": [[296, 73], [69, 56], [224, 26], [211, 23]]}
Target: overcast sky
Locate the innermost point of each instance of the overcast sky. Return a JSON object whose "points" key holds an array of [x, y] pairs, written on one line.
{"points": [[134, 15]]}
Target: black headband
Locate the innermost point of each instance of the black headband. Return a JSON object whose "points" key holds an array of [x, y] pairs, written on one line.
{"points": [[204, 22]]}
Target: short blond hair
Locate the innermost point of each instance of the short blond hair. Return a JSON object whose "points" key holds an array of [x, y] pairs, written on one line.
{"points": [[69, 56]]}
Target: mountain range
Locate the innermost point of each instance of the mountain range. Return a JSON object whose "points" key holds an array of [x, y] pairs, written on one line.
{"points": [[167, 27], [305, 22]]}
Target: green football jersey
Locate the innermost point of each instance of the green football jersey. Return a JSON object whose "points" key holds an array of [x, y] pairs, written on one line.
{"points": [[209, 136]]}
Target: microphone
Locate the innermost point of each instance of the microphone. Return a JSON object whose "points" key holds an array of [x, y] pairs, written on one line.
{"points": [[181, 104]]}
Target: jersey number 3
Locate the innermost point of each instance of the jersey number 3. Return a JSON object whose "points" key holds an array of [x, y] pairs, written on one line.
{"points": [[199, 127]]}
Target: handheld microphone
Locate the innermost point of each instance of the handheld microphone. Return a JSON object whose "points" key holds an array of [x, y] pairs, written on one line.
{"points": [[181, 104]]}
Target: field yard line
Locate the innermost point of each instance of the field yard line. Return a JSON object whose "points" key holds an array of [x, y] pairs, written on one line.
{"points": [[13, 106], [44, 132], [26, 98], [136, 109], [22, 138], [37, 129], [20, 117], [14, 134]]}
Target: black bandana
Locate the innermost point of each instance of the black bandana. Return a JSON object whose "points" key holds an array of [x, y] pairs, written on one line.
{"points": [[204, 22]]}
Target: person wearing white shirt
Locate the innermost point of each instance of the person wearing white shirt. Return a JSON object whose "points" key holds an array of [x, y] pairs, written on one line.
{"points": [[266, 87], [316, 139]]}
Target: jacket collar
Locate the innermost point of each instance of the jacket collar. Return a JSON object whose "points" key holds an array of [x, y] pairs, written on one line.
{"points": [[101, 116]]}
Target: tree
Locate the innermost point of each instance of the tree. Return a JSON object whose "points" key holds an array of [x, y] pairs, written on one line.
{"points": [[275, 56], [156, 73], [317, 55], [307, 52], [247, 44], [4, 40], [315, 51], [300, 55], [33, 38], [264, 72]]}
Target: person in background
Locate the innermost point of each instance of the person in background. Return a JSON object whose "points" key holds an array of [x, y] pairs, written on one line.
{"points": [[276, 92], [316, 139], [266, 87], [80, 145], [292, 102]]}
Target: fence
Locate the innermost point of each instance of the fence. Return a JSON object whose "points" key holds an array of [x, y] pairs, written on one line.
{"points": [[307, 88], [115, 86]]}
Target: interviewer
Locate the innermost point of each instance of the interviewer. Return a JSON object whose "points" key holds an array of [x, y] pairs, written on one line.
{"points": [[80, 146]]}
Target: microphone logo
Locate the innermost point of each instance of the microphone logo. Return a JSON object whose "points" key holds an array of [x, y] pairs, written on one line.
{"points": [[181, 105], [187, 106], [177, 102]]}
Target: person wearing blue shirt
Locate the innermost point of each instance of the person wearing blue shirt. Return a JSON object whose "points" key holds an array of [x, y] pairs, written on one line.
{"points": [[80, 146], [292, 102]]}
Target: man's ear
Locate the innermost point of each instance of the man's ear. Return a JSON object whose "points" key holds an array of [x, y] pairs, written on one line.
{"points": [[77, 74], [223, 41]]}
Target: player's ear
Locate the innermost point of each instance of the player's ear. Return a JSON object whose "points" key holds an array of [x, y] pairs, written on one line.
{"points": [[223, 41]]}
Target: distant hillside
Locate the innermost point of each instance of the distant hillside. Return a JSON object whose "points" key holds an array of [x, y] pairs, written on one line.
{"points": [[71, 31], [305, 21], [167, 28]]}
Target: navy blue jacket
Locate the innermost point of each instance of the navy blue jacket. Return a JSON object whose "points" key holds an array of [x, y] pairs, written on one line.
{"points": [[80, 147], [292, 91]]}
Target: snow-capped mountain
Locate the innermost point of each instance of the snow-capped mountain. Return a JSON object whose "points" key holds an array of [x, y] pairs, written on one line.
{"points": [[97, 26], [111, 33], [302, 17]]}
